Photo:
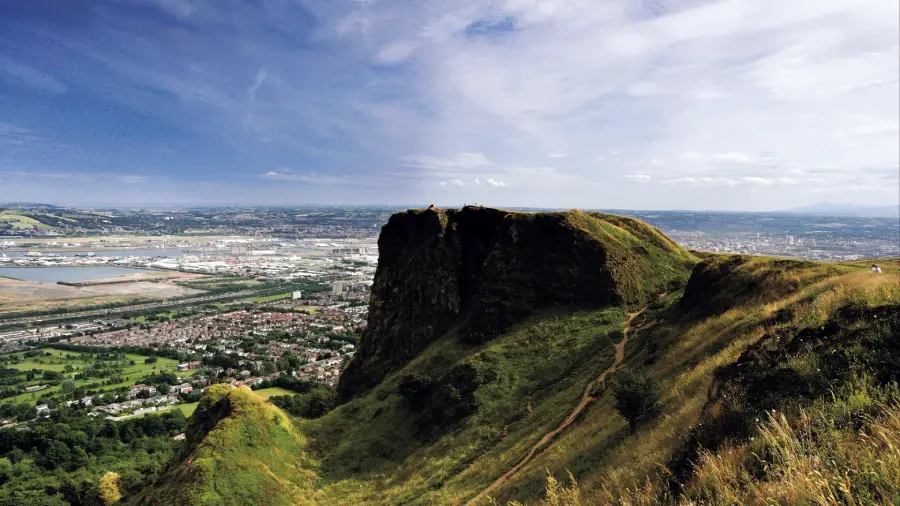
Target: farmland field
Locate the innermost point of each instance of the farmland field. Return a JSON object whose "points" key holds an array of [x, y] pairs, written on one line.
{"points": [[18, 222]]}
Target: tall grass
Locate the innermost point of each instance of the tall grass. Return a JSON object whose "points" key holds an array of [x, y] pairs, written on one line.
{"points": [[632, 471], [557, 494], [808, 458]]}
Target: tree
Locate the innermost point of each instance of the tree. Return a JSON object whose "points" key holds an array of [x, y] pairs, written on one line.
{"points": [[57, 454], [67, 386], [637, 397], [108, 488]]}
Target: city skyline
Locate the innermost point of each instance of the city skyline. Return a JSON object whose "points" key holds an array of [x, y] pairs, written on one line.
{"points": [[718, 105]]}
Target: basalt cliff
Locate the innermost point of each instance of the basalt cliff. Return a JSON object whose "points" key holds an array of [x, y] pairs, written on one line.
{"points": [[481, 270]]}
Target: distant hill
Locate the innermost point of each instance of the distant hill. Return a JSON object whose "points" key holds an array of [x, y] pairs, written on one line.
{"points": [[827, 209], [499, 352]]}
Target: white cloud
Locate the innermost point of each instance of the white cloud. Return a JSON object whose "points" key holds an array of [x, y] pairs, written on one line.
{"points": [[459, 161], [494, 182], [731, 93], [733, 157], [877, 127], [396, 52], [258, 81], [182, 9]]}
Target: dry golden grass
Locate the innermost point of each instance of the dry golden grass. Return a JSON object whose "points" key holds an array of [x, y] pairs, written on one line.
{"points": [[686, 370], [805, 459]]}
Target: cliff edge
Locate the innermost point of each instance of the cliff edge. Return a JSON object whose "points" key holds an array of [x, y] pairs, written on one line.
{"points": [[482, 270]]}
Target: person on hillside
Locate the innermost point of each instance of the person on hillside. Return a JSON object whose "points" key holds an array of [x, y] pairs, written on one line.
{"points": [[875, 268]]}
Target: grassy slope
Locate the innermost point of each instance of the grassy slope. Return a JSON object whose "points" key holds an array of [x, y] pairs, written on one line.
{"points": [[808, 458], [20, 222], [369, 454], [241, 450], [683, 353], [831, 440], [374, 449], [374, 452]]}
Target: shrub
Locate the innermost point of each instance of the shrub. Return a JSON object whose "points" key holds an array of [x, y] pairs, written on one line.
{"points": [[108, 488], [637, 397]]}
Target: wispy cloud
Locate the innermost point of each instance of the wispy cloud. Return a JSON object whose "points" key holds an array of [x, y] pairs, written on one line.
{"points": [[310, 177], [458, 161], [731, 182], [31, 77], [75, 177]]}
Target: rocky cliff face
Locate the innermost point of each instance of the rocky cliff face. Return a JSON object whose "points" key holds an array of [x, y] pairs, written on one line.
{"points": [[482, 270]]}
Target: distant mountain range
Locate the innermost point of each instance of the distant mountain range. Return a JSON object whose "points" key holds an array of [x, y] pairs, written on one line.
{"points": [[828, 209]]}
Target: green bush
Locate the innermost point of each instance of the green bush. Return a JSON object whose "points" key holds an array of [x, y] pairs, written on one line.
{"points": [[637, 397]]}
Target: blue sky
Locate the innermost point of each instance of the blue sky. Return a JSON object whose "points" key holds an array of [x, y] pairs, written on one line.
{"points": [[653, 104]]}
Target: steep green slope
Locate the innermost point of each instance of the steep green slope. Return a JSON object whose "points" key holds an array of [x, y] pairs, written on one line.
{"points": [[461, 419], [238, 450], [432, 432]]}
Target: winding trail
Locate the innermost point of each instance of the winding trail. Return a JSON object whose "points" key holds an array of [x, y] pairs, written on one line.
{"points": [[586, 398]]}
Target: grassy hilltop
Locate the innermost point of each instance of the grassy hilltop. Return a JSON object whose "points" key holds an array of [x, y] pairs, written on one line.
{"points": [[238, 450], [777, 378]]}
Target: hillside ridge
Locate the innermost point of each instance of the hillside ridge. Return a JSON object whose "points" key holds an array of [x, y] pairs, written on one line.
{"points": [[586, 398], [468, 413], [482, 270]]}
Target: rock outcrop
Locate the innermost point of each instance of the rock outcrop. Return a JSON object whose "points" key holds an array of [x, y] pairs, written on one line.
{"points": [[481, 270]]}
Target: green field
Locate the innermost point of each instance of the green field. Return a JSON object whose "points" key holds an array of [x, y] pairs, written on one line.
{"points": [[59, 359], [19, 222], [188, 409], [269, 298], [31, 364], [265, 393]]}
